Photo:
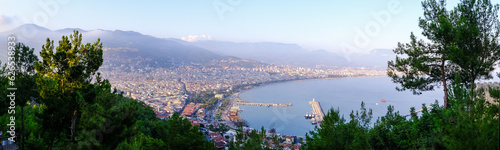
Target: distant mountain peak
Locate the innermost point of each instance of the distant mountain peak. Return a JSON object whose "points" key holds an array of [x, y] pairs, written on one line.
{"points": [[28, 28], [32, 26]]}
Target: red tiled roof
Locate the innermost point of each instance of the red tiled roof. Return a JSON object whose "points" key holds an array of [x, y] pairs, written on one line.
{"points": [[190, 109], [163, 115], [212, 134], [219, 138], [220, 144]]}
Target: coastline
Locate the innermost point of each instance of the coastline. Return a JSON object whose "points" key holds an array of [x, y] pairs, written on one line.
{"points": [[295, 80], [235, 96]]}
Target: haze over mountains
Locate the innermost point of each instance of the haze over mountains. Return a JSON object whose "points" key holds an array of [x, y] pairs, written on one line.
{"points": [[171, 52], [293, 54]]}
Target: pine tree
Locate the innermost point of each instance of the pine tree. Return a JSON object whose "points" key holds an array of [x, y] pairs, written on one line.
{"points": [[64, 75], [477, 48]]}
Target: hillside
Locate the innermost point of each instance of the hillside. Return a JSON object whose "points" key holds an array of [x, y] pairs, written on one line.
{"points": [[122, 47]]}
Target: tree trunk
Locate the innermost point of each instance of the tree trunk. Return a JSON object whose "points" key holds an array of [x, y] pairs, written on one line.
{"points": [[73, 128], [445, 88]]}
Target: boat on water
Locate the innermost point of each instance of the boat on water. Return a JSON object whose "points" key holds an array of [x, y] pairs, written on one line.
{"points": [[313, 121], [383, 100], [309, 116]]}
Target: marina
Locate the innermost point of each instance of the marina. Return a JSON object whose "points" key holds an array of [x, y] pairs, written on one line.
{"points": [[317, 113]]}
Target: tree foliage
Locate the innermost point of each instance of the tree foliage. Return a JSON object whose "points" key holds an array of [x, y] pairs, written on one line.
{"points": [[174, 133], [425, 65], [335, 133], [463, 40], [477, 48], [72, 65], [64, 78]]}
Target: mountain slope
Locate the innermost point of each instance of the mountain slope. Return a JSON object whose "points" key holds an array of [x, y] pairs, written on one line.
{"points": [[118, 43]]}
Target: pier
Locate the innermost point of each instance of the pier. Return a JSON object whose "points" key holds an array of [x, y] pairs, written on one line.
{"points": [[242, 102], [317, 112], [418, 111]]}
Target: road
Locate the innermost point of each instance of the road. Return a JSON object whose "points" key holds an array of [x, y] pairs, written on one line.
{"points": [[225, 115]]}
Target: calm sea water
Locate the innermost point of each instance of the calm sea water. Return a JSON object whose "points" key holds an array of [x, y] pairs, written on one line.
{"points": [[345, 94]]}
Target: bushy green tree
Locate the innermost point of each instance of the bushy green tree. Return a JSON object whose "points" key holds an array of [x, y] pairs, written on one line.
{"points": [[425, 65], [108, 120], [470, 124], [34, 131], [172, 133], [64, 83], [182, 135], [463, 40], [477, 48], [142, 142], [383, 134], [335, 133]]}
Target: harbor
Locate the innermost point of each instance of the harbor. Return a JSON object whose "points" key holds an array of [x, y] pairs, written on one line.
{"points": [[231, 113], [299, 93], [317, 113]]}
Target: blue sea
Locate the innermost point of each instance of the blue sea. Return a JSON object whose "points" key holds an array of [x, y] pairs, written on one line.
{"points": [[345, 94]]}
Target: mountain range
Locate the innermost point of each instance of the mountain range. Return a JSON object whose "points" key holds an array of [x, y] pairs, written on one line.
{"points": [[169, 52]]}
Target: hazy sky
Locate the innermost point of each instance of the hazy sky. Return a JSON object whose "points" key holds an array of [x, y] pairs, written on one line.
{"points": [[331, 25]]}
